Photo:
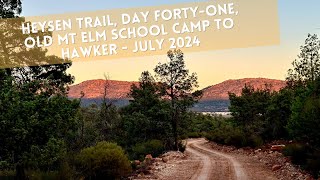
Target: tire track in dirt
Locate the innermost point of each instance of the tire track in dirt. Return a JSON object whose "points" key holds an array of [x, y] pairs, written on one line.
{"points": [[215, 165]]}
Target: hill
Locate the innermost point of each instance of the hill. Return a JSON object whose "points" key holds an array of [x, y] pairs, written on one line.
{"points": [[220, 91], [94, 89]]}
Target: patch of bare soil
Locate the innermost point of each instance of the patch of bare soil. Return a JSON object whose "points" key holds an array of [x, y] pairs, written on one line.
{"points": [[264, 163], [169, 166]]}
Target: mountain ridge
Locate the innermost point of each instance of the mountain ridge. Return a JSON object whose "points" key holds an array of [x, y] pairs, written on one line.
{"points": [[94, 89]]}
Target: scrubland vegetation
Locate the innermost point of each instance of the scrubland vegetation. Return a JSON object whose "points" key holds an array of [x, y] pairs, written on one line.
{"points": [[293, 114], [45, 135]]}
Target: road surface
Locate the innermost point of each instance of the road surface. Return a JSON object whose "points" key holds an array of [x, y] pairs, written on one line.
{"points": [[203, 162], [215, 165]]}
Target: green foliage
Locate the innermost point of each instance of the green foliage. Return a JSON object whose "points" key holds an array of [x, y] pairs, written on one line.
{"points": [[177, 85], [297, 152], [182, 145], [307, 66], [153, 147], [250, 111], [37, 120], [225, 133], [304, 123], [278, 114], [261, 114], [147, 116], [105, 160], [89, 132], [231, 135], [29, 122], [304, 155], [250, 108], [49, 155]]}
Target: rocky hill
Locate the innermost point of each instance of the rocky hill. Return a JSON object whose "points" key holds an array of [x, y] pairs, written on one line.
{"points": [[220, 91], [94, 89]]}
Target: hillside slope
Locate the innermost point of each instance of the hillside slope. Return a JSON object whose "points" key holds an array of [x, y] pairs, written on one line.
{"points": [[94, 89]]}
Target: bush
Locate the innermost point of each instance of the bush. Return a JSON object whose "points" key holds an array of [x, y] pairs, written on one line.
{"points": [[182, 145], [225, 133], [305, 156], [304, 123], [229, 135], [254, 141], [235, 137], [194, 135], [313, 164], [153, 147], [103, 161], [297, 153]]}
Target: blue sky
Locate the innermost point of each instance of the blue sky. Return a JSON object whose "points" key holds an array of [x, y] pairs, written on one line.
{"points": [[45, 7], [297, 19]]}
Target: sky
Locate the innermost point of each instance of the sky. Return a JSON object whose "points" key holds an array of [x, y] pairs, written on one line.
{"points": [[297, 19]]}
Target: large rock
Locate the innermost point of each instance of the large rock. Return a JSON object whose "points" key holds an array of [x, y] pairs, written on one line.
{"points": [[276, 167], [165, 159], [277, 147], [137, 162], [149, 156]]}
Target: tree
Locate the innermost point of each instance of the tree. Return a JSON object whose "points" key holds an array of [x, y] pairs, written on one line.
{"points": [[278, 114], [29, 122], [147, 115], [36, 116], [27, 65], [10, 9], [304, 122], [307, 66], [249, 110], [109, 120], [177, 86]]}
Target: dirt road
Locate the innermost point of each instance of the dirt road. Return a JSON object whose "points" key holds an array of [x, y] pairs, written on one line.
{"points": [[217, 165], [201, 161], [214, 165]]}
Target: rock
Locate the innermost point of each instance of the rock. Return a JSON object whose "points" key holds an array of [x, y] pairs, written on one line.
{"points": [[165, 159], [149, 156], [276, 167], [148, 159], [258, 150], [157, 159], [141, 174], [147, 172], [277, 147], [137, 162]]}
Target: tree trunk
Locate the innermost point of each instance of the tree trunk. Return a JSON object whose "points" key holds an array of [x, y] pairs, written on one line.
{"points": [[20, 173], [174, 120]]}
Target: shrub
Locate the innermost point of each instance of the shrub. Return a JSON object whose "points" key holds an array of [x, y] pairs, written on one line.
{"points": [[313, 164], [305, 156], [297, 152], [235, 137], [153, 147], [105, 160], [254, 141], [182, 145], [194, 135]]}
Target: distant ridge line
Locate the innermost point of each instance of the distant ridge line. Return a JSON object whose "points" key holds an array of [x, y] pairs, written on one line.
{"points": [[93, 89]]}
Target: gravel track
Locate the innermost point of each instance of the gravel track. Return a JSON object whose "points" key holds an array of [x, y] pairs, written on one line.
{"points": [[215, 165]]}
